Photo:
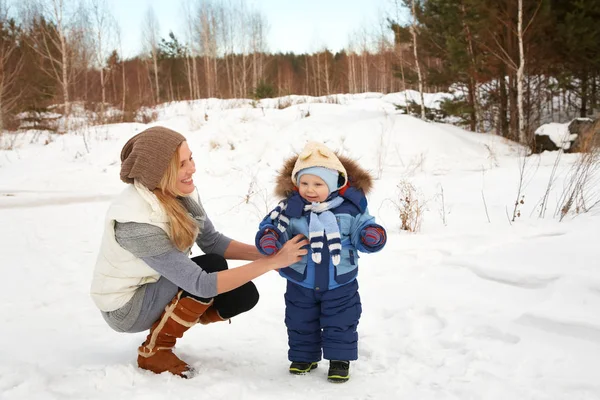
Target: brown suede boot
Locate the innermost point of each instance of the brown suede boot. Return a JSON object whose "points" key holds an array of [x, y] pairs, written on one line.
{"points": [[156, 354], [211, 315]]}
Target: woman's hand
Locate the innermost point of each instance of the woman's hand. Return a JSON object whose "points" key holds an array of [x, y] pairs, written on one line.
{"points": [[291, 252]]}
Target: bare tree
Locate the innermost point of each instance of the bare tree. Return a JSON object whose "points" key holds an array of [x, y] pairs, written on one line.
{"points": [[351, 73], [81, 52], [326, 73], [413, 31], [151, 36], [520, 75], [226, 33], [361, 45], [383, 44], [50, 16], [241, 24], [504, 52], [473, 88], [191, 59], [258, 31], [123, 81], [11, 63], [399, 50], [102, 28], [206, 28]]}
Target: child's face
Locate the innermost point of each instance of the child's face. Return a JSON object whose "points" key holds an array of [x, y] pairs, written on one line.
{"points": [[313, 188]]}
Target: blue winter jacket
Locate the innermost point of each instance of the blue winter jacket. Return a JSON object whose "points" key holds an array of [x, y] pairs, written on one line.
{"points": [[352, 217]]}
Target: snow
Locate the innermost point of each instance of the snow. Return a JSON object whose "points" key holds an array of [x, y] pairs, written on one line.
{"points": [[558, 133], [463, 309]]}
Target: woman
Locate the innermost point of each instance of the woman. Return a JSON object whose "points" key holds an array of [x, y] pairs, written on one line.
{"points": [[144, 279]]}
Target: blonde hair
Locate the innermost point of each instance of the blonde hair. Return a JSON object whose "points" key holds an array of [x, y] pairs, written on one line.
{"points": [[183, 228]]}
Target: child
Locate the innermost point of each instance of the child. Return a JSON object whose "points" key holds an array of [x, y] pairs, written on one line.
{"points": [[325, 201]]}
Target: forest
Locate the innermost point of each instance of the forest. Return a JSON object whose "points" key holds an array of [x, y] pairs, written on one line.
{"points": [[511, 65]]}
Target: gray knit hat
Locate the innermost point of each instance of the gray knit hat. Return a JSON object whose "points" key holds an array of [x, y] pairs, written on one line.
{"points": [[147, 155]]}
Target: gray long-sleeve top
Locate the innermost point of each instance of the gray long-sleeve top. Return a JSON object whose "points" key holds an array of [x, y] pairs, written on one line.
{"points": [[153, 246]]}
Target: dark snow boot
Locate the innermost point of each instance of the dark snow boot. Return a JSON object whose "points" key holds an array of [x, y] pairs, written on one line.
{"points": [[339, 371], [301, 368]]}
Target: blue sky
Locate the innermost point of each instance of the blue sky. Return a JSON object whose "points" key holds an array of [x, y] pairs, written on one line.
{"points": [[295, 25]]}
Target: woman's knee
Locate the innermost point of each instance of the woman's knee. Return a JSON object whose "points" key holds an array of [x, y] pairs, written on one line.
{"points": [[251, 294], [237, 301], [211, 262]]}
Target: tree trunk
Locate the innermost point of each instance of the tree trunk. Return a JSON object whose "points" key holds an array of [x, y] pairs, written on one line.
{"points": [[155, 60], [188, 68], [327, 89], [215, 76], [593, 94], [207, 76], [244, 80], [103, 88], [513, 107], [124, 85], [229, 75], [254, 70], [307, 85], [520, 76], [65, 75], [196, 78], [413, 32], [473, 101], [584, 93]]}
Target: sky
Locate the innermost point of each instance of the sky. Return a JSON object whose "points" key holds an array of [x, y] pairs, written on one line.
{"points": [[472, 306], [295, 25]]}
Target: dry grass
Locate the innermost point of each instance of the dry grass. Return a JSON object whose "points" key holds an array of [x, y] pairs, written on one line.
{"points": [[284, 102], [581, 192], [146, 115], [214, 145], [409, 207]]}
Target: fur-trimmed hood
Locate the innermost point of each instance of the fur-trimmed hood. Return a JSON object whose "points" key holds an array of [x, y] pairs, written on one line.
{"points": [[357, 176]]}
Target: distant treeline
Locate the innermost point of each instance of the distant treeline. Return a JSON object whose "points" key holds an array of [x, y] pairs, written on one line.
{"points": [[64, 51]]}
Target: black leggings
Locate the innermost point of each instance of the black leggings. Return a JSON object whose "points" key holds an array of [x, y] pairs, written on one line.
{"points": [[234, 302]]}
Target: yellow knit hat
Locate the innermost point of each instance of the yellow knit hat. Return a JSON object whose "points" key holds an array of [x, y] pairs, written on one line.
{"points": [[317, 154]]}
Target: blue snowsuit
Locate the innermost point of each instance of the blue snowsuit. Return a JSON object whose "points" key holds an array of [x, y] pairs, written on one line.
{"points": [[322, 302]]}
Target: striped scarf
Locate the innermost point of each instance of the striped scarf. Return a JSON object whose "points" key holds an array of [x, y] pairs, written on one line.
{"points": [[323, 225]]}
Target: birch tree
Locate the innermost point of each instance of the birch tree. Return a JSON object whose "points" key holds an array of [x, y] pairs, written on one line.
{"points": [[102, 28], [206, 28], [191, 59], [520, 74], [123, 81], [258, 31], [11, 63], [52, 44], [414, 32], [150, 36]]}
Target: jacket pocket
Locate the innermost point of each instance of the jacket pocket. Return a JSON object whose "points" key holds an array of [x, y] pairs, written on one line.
{"points": [[296, 271], [347, 269]]}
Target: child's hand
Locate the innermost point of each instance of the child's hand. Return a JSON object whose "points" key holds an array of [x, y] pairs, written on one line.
{"points": [[269, 244], [373, 236]]}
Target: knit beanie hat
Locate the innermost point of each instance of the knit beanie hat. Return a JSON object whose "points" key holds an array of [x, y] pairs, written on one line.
{"points": [[329, 176], [146, 156], [318, 155]]}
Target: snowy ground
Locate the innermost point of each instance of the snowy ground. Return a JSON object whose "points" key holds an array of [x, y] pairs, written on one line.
{"points": [[466, 309]]}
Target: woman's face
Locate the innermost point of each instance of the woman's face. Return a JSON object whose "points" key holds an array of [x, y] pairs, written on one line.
{"points": [[187, 167], [313, 188]]}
